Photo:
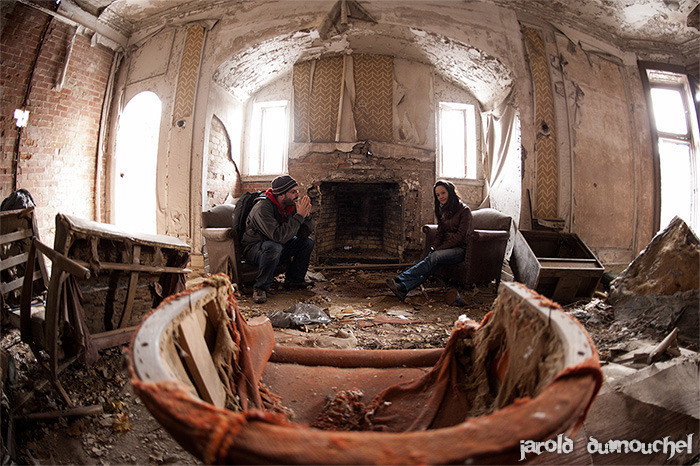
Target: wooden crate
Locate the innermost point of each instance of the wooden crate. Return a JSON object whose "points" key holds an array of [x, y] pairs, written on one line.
{"points": [[555, 264]]}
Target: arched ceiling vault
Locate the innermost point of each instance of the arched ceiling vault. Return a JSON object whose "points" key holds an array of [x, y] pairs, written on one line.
{"points": [[661, 30], [486, 77]]}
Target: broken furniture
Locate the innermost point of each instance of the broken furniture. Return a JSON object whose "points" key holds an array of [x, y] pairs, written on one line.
{"points": [[17, 228], [103, 281], [223, 389], [486, 248], [223, 246], [555, 264]]}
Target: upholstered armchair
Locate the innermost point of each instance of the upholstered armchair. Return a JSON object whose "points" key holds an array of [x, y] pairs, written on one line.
{"points": [[223, 246], [486, 248]]}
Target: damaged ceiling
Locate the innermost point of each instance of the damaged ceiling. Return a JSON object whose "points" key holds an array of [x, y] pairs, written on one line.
{"points": [[652, 26]]}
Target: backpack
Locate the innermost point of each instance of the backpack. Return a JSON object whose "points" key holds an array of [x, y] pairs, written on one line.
{"points": [[20, 199], [243, 207]]}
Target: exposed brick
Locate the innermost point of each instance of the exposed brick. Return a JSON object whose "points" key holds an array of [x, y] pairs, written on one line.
{"points": [[222, 177], [63, 180]]}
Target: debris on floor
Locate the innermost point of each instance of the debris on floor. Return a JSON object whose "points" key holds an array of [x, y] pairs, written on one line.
{"points": [[661, 287], [363, 315], [298, 315]]}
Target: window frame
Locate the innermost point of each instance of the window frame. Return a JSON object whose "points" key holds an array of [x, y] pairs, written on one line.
{"points": [[255, 159], [691, 137], [472, 171]]}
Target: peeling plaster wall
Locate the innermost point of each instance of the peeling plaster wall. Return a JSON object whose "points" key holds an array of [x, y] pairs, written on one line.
{"points": [[222, 180], [225, 110], [145, 70], [605, 163], [414, 116]]}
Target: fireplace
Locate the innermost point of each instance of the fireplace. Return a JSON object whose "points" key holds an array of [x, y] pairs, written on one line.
{"points": [[359, 222]]}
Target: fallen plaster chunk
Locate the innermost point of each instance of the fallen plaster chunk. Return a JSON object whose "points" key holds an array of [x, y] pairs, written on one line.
{"points": [[668, 265], [661, 286]]}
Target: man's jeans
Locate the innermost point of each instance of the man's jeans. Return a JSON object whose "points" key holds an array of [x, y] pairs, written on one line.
{"points": [[420, 272], [266, 255]]}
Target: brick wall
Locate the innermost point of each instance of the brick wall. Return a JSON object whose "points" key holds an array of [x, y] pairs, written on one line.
{"points": [[59, 145], [222, 175]]}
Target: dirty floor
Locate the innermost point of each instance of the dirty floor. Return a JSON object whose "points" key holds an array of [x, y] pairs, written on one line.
{"points": [[365, 315]]}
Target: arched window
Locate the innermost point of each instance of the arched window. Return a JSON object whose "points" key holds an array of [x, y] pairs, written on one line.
{"points": [[135, 164]]}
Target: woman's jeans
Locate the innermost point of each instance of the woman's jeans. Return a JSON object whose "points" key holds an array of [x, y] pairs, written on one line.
{"points": [[416, 275], [266, 255]]}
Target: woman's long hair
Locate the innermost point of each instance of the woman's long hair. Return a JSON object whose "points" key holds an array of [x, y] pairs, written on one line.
{"points": [[452, 199]]}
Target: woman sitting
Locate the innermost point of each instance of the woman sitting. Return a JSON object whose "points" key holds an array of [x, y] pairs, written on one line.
{"points": [[454, 221]]}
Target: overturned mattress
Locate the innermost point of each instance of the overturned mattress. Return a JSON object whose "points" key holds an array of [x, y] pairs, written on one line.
{"points": [[226, 393]]}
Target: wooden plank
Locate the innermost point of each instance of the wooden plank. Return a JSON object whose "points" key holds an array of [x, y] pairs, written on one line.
{"points": [[16, 283], [42, 264], [172, 361], [566, 288], [200, 362], [12, 261], [62, 262], [131, 292], [16, 236], [567, 259], [112, 338], [566, 264], [137, 267]]}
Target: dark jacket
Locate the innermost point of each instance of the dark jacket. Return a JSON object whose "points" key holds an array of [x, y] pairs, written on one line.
{"points": [[453, 228], [267, 222]]}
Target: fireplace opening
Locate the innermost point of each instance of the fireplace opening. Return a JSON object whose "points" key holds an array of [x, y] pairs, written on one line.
{"points": [[359, 222]]}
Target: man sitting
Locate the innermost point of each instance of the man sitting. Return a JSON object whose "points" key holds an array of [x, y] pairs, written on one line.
{"points": [[277, 230]]}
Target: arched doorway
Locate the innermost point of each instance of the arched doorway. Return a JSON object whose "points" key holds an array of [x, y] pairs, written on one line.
{"points": [[135, 164]]}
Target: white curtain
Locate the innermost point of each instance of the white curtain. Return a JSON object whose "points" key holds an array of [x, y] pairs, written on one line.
{"points": [[497, 134]]}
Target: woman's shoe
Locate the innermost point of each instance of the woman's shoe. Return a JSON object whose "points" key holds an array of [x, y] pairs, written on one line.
{"points": [[396, 288]]}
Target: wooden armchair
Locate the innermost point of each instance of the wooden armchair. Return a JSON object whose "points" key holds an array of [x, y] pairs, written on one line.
{"points": [[486, 248], [223, 246], [103, 282]]}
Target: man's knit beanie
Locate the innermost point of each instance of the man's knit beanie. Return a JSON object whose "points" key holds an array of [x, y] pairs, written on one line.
{"points": [[282, 184]]}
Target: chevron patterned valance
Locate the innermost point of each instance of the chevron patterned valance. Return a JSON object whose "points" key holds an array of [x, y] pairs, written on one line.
{"points": [[188, 73], [546, 144], [344, 98]]}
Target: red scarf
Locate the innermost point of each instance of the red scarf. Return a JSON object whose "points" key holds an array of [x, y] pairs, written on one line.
{"points": [[286, 211]]}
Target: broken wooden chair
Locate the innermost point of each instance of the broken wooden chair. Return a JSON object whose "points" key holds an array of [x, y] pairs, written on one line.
{"points": [[227, 393], [103, 281]]}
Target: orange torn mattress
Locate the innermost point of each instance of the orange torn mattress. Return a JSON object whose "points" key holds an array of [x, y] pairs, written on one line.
{"points": [[222, 388]]}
